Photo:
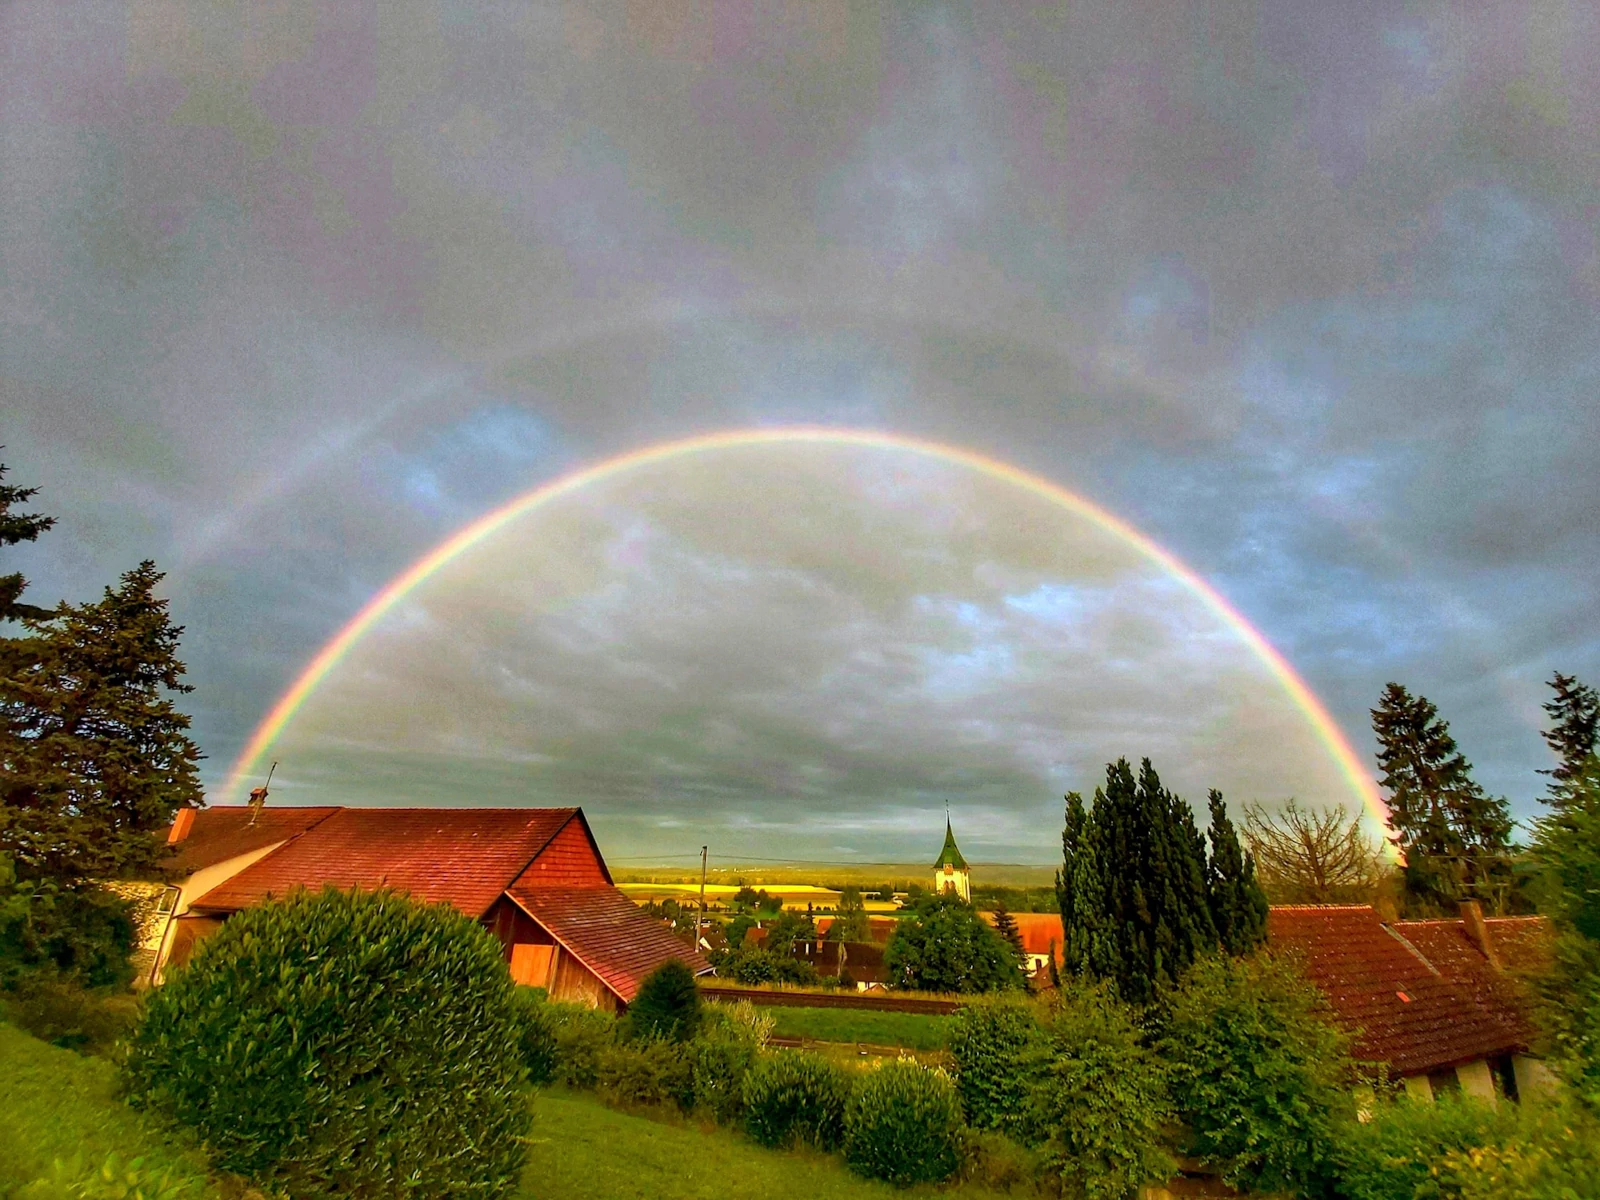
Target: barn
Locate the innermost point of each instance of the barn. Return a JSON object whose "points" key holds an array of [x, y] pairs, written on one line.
{"points": [[534, 877]]}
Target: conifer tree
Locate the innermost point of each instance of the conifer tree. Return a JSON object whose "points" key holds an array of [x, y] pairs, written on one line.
{"points": [[1238, 905], [96, 756], [1573, 734], [1089, 945], [18, 527], [850, 923], [1456, 838], [1006, 926]]}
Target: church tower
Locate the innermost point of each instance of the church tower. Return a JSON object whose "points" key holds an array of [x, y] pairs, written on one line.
{"points": [[950, 872]]}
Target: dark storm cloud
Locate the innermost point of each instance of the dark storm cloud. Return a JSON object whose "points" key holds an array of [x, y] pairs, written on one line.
{"points": [[1309, 293]]}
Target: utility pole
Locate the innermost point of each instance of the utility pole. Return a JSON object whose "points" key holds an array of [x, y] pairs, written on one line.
{"points": [[701, 919]]}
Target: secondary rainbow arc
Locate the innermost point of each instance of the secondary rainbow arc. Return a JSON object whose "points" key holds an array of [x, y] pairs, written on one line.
{"points": [[335, 649]]}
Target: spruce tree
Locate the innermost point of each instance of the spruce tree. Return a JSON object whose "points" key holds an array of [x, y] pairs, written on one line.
{"points": [[1238, 904], [1573, 734], [96, 755], [16, 527], [1006, 926], [1456, 838]]}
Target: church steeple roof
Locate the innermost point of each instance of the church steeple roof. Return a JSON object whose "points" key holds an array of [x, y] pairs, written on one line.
{"points": [[951, 854]]}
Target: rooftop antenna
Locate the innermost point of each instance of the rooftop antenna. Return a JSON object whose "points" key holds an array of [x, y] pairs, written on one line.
{"points": [[258, 796]]}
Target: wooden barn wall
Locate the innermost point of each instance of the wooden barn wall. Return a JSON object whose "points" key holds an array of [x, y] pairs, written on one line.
{"points": [[569, 860], [511, 925], [574, 983]]}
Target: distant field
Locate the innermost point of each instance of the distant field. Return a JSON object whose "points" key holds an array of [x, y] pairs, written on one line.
{"points": [[914, 1031], [898, 876]]}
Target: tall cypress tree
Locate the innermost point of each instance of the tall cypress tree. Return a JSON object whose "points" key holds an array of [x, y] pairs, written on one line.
{"points": [[1456, 838], [1573, 734], [1238, 905], [1133, 884]]}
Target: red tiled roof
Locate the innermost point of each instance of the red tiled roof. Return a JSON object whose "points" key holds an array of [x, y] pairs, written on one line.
{"points": [[607, 932], [466, 856], [224, 831], [1525, 944], [1516, 941], [1404, 1009], [1040, 931]]}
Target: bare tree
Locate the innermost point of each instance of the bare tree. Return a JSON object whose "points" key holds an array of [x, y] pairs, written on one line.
{"points": [[1306, 856]]}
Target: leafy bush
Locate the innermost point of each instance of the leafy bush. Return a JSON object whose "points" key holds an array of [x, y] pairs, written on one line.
{"points": [[55, 1009], [645, 1072], [795, 1096], [1100, 1103], [536, 1040], [945, 946], [999, 1049], [1258, 1073], [581, 1035], [723, 1051], [753, 966], [993, 1161], [1399, 1150], [113, 1179], [1554, 1155], [343, 1044], [668, 1004], [84, 933], [903, 1124]]}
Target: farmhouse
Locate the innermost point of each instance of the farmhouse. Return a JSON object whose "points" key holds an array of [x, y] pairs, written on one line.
{"points": [[533, 876]]}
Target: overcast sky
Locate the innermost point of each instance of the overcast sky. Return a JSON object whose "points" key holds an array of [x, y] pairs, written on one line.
{"points": [[1308, 294]]}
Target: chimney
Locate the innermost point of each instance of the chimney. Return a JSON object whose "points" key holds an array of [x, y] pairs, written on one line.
{"points": [[182, 822], [1478, 931]]}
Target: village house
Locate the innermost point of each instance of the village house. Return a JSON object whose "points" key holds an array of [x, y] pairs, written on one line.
{"points": [[533, 876]]}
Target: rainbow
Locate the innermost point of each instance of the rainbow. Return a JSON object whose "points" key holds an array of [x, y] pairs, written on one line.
{"points": [[1327, 731]]}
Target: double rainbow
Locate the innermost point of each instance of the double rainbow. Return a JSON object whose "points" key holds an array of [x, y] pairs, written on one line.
{"points": [[1328, 733]]}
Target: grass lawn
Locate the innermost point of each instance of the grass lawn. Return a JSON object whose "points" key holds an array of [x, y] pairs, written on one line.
{"points": [[584, 1151], [914, 1031], [61, 1105]]}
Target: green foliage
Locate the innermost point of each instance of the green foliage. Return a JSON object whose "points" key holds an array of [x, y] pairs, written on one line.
{"points": [[668, 1004], [945, 946], [17, 527], [1398, 1152], [1574, 733], [1238, 905], [1553, 1155], [754, 965], [1257, 1071], [338, 1044], [995, 1162], [51, 929], [1566, 850], [582, 1034], [1134, 902], [725, 1048], [1006, 926], [1099, 1106], [903, 1124], [650, 1072], [999, 1050], [1455, 836], [97, 756], [114, 1179], [58, 1010], [850, 924], [536, 1033], [795, 1096]]}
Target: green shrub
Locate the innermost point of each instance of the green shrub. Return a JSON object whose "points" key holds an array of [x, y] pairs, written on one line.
{"points": [[86, 933], [1099, 1106], [753, 966], [993, 1161], [638, 1073], [581, 1035], [903, 1124], [536, 1037], [1554, 1154], [1257, 1071], [795, 1096], [729, 1041], [343, 1044], [1399, 1151], [667, 1005], [56, 1009], [998, 1048]]}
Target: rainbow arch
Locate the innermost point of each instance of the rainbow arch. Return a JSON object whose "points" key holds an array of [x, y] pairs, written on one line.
{"points": [[326, 659]]}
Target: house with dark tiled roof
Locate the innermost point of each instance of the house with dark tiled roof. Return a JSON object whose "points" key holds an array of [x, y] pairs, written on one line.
{"points": [[1442, 1003], [533, 876]]}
